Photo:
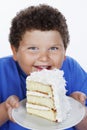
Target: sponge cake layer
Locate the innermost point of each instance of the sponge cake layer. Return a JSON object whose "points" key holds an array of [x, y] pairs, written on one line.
{"points": [[39, 87], [43, 101], [47, 114]]}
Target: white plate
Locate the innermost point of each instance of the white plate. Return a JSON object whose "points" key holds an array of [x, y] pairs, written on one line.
{"points": [[36, 123]]}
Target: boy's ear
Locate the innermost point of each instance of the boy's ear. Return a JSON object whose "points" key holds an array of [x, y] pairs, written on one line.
{"points": [[14, 51]]}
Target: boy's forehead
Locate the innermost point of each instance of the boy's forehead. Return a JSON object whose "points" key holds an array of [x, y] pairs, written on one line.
{"points": [[39, 34], [38, 37]]}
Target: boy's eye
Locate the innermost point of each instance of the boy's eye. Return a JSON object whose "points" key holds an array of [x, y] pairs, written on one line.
{"points": [[53, 48], [32, 48]]}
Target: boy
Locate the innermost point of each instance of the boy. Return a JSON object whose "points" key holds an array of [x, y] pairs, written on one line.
{"points": [[39, 38]]}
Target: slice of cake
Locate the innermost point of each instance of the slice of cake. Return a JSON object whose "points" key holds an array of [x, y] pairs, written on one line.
{"points": [[46, 95]]}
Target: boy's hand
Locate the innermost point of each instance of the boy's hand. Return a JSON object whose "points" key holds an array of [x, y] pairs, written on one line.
{"points": [[79, 96], [11, 102]]}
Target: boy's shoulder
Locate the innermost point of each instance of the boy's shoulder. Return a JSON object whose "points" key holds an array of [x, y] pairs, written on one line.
{"points": [[71, 65], [6, 59], [6, 62], [70, 61]]}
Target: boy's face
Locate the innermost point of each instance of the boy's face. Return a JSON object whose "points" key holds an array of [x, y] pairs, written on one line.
{"points": [[40, 50]]}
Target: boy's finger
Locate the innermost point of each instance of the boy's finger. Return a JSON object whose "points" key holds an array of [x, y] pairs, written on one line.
{"points": [[10, 114]]}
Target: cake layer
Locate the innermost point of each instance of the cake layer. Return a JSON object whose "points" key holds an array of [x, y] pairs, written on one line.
{"points": [[47, 114], [39, 87], [43, 101]]}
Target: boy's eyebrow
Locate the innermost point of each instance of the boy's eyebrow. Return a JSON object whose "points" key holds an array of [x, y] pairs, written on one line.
{"points": [[27, 44], [57, 44]]}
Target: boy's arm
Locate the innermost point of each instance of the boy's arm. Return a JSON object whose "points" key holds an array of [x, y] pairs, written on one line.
{"points": [[3, 113], [83, 124], [81, 97]]}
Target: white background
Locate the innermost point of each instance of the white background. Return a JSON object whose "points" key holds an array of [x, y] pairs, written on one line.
{"points": [[75, 12]]}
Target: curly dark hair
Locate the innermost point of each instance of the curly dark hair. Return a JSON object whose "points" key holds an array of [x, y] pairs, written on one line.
{"points": [[42, 17]]}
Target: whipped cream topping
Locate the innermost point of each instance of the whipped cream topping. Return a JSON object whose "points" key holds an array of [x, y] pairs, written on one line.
{"points": [[56, 80]]}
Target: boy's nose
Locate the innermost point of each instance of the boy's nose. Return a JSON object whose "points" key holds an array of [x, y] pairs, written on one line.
{"points": [[44, 56]]}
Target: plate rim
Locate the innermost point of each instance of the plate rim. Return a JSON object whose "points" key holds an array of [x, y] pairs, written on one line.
{"points": [[22, 104]]}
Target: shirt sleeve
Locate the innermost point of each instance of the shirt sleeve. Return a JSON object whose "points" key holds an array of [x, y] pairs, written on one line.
{"points": [[75, 75]]}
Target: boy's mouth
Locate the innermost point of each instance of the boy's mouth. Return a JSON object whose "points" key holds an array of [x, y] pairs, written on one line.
{"points": [[41, 67]]}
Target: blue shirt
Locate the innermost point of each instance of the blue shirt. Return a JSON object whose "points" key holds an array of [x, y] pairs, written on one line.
{"points": [[13, 82]]}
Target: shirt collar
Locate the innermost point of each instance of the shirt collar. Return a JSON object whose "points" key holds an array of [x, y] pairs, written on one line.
{"points": [[21, 71]]}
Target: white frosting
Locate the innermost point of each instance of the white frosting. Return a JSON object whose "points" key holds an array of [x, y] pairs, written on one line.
{"points": [[56, 80]]}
